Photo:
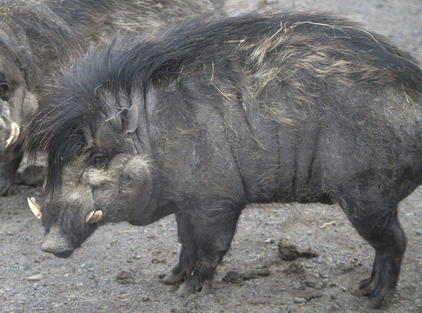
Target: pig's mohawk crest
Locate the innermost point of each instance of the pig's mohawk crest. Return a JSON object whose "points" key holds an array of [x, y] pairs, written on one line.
{"points": [[58, 129], [74, 106]]}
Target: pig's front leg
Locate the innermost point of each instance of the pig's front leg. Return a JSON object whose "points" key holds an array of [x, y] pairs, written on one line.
{"points": [[188, 254], [205, 240]]}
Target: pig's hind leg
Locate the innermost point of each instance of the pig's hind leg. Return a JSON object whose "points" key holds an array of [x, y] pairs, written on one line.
{"points": [[379, 225], [205, 240]]}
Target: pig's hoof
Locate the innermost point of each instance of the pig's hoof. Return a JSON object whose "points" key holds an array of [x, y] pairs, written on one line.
{"points": [[364, 288], [205, 290], [357, 292], [172, 278], [190, 286], [185, 289], [373, 303], [360, 292]]}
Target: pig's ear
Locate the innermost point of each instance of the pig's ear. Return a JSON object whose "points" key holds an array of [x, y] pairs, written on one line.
{"points": [[126, 120]]}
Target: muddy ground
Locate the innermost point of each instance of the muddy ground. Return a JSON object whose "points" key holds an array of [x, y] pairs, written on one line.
{"points": [[119, 268]]}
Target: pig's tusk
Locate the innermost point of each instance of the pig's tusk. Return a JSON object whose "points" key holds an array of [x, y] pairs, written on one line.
{"points": [[35, 207], [14, 135], [93, 217]]}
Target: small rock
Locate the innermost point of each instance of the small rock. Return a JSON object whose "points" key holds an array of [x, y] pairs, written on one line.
{"points": [[271, 1], [299, 300], [265, 271], [419, 232], [125, 278], [269, 240], [308, 254], [291, 252], [310, 284], [250, 275], [288, 252], [232, 277], [314, 296], [34, 277]]}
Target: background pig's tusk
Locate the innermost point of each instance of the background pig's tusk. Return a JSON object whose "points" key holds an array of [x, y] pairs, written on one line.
{"points": [[35, 208], [14, 135]]}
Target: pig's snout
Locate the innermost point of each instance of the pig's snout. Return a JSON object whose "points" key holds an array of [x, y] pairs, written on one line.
{"points": [[56, 244]]}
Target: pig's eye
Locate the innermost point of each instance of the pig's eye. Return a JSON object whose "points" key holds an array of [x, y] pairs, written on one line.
{"points": [[99, 160], [4, 91]]}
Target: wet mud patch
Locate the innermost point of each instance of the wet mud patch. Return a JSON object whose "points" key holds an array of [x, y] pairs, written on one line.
{"points": [[126, 278]]}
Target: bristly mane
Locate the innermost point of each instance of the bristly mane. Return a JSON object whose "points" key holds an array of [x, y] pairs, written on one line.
{"points": [[130, 63]]}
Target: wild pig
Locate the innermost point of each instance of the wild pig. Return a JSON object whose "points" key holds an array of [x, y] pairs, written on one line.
{"points": [[36, 37], [208, 116]]}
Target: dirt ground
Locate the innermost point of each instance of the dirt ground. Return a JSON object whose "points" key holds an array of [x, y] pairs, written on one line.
{"points": [[119, 268]]}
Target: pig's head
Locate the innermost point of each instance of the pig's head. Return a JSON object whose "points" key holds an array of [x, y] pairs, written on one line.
{"points": [[95, 174]]}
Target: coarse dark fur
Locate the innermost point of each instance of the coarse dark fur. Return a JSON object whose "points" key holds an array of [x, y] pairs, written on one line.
{"points": [[121, 64], [55, 29], [256, 108], [39, 36]]}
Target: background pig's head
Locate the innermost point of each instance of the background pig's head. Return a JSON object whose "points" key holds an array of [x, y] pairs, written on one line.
{"points": [[95, 172]]}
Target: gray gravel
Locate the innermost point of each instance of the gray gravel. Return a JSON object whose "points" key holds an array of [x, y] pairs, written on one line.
{"points": [[119, 268]]}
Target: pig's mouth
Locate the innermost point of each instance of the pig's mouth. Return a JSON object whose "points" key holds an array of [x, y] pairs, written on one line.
{"points": [[55, 242]]}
